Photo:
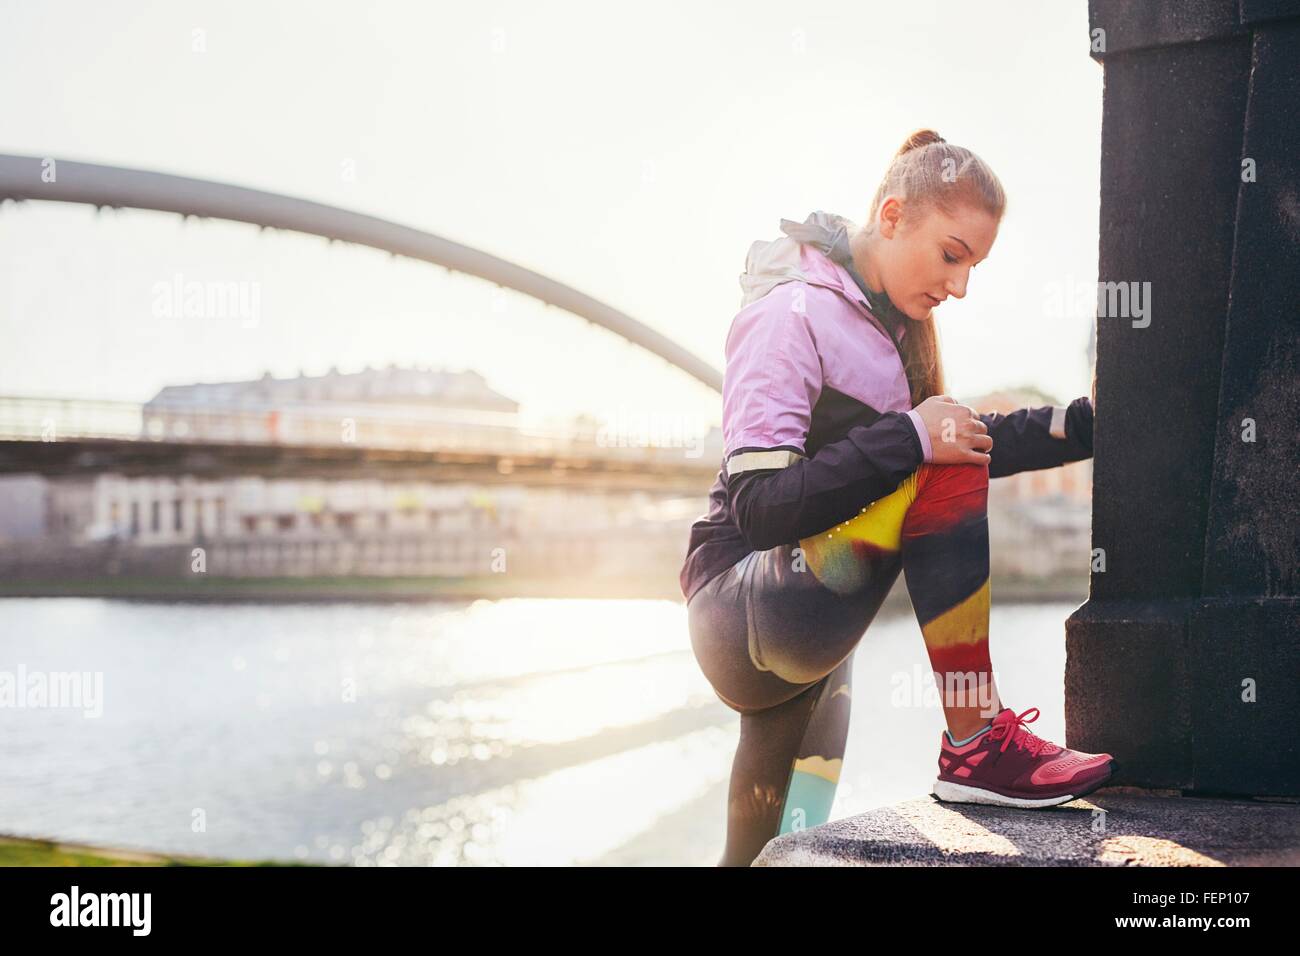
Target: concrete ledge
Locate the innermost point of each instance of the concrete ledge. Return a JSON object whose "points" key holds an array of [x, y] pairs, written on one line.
{"points": [[1114, 826]]}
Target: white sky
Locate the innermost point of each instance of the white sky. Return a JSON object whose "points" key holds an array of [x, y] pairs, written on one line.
{"points": [[633, 151]]}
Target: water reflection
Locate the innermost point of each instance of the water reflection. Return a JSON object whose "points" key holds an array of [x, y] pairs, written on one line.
{"points": [[490, 733]]}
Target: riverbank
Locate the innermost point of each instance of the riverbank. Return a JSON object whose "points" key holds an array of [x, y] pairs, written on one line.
{"points": [[488, 587], [298, 589], [29, 851]]}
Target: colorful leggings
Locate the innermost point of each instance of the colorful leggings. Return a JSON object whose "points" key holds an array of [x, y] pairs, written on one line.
{"points": [[775, 636]]}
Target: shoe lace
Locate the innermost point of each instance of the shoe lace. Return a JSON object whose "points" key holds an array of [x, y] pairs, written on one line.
{"points": [[1015, 730]]}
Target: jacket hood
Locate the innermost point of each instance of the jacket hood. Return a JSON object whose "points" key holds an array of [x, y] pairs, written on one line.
{"points": [[769, 263]]}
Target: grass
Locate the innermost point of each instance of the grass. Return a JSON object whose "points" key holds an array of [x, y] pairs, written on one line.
{"points": [[29, 851], [197, 587]]}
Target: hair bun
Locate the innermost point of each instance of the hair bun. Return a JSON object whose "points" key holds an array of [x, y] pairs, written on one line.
{"points": [[919, 138]]}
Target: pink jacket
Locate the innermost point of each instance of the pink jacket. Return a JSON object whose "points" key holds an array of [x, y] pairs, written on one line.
{"points": [[804, 325]]}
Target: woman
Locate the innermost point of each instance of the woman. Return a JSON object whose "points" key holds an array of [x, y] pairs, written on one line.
{"points": [[844, 463]]}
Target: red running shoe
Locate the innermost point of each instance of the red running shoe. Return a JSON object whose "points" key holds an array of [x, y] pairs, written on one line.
{"points": [[1008, 766]]}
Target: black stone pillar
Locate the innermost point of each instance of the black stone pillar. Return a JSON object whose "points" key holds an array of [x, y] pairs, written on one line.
{"points": [[1196, 471]]}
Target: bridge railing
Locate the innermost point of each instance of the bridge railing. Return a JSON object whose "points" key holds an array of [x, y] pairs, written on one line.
{"points": [[399, 427], [53, 419]]}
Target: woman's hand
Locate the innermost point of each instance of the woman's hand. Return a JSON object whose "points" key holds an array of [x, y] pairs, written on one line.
{"points": [[957, 436]]}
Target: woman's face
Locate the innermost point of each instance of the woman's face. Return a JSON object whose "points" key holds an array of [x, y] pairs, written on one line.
{"points": [[922, 262]]}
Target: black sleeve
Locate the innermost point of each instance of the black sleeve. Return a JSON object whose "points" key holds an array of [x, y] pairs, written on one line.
{"points": [[1023, 440], [779, 506]]}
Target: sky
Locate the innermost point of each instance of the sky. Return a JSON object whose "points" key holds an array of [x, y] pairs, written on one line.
{"points": [[633, 152]]}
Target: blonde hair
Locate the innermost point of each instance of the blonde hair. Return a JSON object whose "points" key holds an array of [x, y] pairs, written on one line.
{"points": [[931, 173]]}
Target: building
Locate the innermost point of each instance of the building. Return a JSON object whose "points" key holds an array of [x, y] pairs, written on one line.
{"points": [[393, 406], [250, 525], [1040, 522]]}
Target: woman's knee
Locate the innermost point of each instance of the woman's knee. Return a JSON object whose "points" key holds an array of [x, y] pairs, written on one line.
{"points": [[947, 496], [949, 476]]}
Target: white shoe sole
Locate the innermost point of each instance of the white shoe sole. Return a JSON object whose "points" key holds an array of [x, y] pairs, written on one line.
{"points": [[960, 793]]}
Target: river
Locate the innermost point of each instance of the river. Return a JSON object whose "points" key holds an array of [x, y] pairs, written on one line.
{"points": [[507, 732]]}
